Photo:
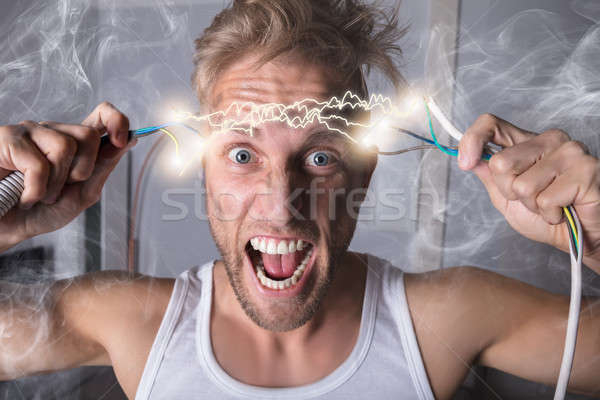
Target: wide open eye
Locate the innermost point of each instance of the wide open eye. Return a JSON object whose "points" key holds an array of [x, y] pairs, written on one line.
{"points": [[240, 155], [319, 159]]}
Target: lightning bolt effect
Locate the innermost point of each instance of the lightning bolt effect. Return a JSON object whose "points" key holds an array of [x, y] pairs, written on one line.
{"points": [[245, 117], [333, 114]]}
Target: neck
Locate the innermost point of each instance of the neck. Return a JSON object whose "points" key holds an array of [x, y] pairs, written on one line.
{"points": [[340, 308]]}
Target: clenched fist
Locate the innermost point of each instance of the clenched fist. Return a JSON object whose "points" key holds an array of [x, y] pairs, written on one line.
{"points": [[533, 177], [64, 169]]}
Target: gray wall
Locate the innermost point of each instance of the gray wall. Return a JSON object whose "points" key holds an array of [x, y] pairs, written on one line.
{"points": [[535, 63], [139, 58], [169, 245]]}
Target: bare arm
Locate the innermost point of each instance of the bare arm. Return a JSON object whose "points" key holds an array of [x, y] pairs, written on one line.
{"points": [[464, 316], [76, 322]]}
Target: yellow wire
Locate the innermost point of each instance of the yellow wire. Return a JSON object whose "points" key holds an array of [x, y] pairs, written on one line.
{"points": [[573, 226], [173, 138]]}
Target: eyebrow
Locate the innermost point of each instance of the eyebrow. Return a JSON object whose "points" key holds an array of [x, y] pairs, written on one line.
{"points": [[317, 137]]}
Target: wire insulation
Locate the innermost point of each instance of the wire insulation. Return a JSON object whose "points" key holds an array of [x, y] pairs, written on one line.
{"points": [[576, 255]]}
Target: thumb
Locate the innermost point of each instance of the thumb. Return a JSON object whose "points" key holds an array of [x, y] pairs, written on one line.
{"points": [[482, 170]]}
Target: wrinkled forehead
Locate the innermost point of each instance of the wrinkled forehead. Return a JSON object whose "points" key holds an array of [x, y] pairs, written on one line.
{"points": [[284, 80], [297, 94], [306, 115]]}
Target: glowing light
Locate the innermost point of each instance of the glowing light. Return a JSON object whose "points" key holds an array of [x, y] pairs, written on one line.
{"points": [[244, 117], [173, 139], [177, 162]]}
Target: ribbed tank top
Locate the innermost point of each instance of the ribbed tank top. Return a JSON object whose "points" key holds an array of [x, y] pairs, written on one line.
{"points": [[384, 364]]}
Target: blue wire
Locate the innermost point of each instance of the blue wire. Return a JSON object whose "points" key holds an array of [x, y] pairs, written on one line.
{"points": [[444, 149], [153, 129]]}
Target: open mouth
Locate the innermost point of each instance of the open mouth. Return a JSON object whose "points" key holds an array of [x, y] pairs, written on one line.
{"points": [[280, 264]]}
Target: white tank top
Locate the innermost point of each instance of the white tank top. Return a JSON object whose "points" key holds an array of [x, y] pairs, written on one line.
{"points": [[385, 362]]}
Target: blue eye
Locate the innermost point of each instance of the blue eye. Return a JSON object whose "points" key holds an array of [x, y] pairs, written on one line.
{"points": [[318, 159], [240, 155]]}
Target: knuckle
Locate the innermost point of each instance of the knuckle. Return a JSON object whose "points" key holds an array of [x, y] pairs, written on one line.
{"points": [[544, 202], [501, 164], [9, 131], [490, 121], [522, 188], [81, 174], [557, 135], [121, 119], [573, 148], [590, 166], [89, 133], [40, 167], [65, 145], [106, 105], [488, 118]]}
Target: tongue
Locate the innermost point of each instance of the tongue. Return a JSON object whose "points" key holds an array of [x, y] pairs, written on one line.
{"points": [[280, 266]]}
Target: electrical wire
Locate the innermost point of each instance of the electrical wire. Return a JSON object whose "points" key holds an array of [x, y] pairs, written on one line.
{"points": [[394, 153], [575, 249], [12, 186], [135, 205]]}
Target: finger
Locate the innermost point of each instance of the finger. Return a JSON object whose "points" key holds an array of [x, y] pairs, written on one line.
{"points": [[59, 150], [4, 173], [530, 183], [487, 128], [574, 186], [107, 118], [484, 174], [28, 159], [88, 142], [92, 188], [511, 162]]}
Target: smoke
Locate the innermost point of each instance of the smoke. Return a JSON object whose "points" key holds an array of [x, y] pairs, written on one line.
{"points": [[539, 70], [58, 60]]}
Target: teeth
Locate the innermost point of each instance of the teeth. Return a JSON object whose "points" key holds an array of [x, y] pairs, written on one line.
{"points": [[286, 283], [282, 247], [273, 246]]}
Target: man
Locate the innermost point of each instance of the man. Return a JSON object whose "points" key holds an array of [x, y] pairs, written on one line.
{"points": [[289, 312]]}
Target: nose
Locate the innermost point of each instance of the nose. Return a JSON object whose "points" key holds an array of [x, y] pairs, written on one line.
{"points": [[281, 201]]}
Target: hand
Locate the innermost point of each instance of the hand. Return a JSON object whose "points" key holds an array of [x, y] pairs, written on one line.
{"points": [[64, 171], [533, 177]]}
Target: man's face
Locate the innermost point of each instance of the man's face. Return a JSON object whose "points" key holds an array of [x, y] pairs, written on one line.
{"points": [[277, 199]]}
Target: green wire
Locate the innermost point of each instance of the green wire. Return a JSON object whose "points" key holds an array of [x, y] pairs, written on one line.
{"points": [[450, 152], [444, 149]]}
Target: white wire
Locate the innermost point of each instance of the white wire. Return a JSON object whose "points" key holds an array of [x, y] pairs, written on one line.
{"points": [[443, 120], [11, 189], [574, 307], [575, 302]]}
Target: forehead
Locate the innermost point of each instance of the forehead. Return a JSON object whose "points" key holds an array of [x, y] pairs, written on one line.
{"points": [[261, 96], [284, 80]]}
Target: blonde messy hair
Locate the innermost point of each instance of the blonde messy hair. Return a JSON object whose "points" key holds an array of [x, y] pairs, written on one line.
{"points": [[348, 35]]}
